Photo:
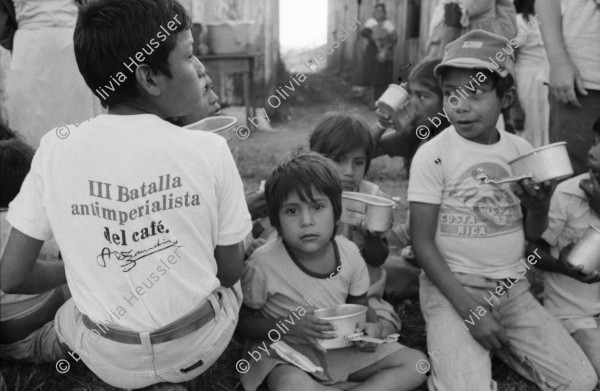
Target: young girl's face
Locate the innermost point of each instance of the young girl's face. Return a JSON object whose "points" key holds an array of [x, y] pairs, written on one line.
{"points": [[475, 116], [307, 227], [426, 102], [351, 167]]}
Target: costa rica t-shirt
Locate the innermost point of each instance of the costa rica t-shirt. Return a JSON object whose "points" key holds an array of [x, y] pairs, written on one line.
{"points": [[137, 206], [480, 226]]}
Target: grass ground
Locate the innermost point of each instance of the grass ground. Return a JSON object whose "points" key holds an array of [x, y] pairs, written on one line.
{"points": [[258, 155]]}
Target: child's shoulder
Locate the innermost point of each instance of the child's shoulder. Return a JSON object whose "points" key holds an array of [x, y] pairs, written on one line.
{"points": [[262, 256], [347, 249], [517, 142], [571, 187]]}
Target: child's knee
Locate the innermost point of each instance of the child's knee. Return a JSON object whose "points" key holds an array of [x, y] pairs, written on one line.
{"points": [[287, 377], [408, 358]]}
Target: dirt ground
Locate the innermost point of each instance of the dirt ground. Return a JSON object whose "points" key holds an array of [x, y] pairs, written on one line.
{"points": [[259, 154]]}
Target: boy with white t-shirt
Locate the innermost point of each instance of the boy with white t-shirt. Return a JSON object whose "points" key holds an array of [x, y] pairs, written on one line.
{"points": [[570, 295], [468, 235], [149, 217]]}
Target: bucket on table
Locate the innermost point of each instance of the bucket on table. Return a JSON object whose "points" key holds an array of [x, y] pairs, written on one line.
{"points": [[230, 36], [345, 317], [376, 212]]}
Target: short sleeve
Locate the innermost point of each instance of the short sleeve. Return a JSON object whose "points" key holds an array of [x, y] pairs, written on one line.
{"points": [[370, 23], [557, 220], [27, 212], [426, 177], [254, 287], [359, 278], [234, 218]]}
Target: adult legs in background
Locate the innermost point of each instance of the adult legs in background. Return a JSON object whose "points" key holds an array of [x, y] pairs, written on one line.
{"points": [[574, 125], [533, 97]]}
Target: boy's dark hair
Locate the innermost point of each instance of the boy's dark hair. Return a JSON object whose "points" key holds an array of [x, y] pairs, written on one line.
{"points": [[525, 7], [337, 134], [498, 83], [380, 5], [423, 73], [302, 173], [6, 133], [109, 32], [596, 126], [15, 162]]}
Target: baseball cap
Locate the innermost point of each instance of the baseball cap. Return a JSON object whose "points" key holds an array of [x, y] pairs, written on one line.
{"points": [[482, 50]]}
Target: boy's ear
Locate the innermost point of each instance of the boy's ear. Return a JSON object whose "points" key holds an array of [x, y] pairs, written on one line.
{"points": [[147, 80], [509, 97]]}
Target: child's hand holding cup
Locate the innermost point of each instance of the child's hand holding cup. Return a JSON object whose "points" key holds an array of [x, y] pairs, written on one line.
{"points": [[394, 109]]}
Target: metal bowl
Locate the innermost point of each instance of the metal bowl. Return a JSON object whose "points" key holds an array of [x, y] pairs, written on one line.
{"points": [[345, 317], [544, 164], [587, 251], [375, 211]]}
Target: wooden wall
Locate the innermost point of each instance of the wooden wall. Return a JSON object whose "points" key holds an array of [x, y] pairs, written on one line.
{"points": [[410, 17], [264, 13]]}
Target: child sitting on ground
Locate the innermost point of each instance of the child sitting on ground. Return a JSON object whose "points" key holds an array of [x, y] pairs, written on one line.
{"points": [[417, 122], [346, 140], [26, 321], [150, 218], [571, 296], [307, 267], [468, 236]]}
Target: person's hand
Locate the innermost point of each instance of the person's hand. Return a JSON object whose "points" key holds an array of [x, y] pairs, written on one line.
{"points": [[534, 196], [401, 122], [311, 328], [373, 330], [591, 188], [564, 79], [257, 205], [489, 333], [364, 231], [576, 272]]}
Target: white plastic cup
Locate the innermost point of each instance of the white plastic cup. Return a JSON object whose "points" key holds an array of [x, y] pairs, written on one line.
{"points": [[392, 99], [587, 251]]}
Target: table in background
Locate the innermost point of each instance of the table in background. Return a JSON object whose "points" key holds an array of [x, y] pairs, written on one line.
{"points": [[222, 64]]}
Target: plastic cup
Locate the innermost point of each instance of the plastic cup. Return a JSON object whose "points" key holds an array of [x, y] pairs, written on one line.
{"points": [[392, 99]]}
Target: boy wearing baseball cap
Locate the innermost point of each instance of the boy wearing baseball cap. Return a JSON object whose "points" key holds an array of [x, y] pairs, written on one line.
{"points": [[469, 234]]}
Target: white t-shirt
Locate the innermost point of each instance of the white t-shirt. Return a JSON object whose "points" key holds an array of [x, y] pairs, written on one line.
{"points": [[480, 226], [18, 306], [581, 32], [137, 206], [274, 283], [569, 217]]}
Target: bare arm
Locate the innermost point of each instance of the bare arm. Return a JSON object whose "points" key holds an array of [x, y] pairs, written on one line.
{"points": [[423, 221], [564, 76], [230, 262], [545, 261], [21, 271]]}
